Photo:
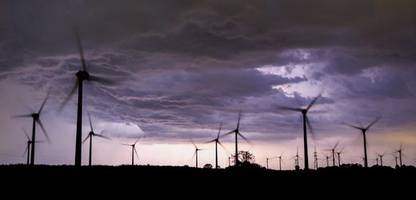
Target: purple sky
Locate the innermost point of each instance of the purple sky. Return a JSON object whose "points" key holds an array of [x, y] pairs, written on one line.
{"points": [[182, 67]]}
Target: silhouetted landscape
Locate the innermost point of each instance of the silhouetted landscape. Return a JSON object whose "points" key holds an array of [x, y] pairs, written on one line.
{"points": [[165, 177], [261, 97]]}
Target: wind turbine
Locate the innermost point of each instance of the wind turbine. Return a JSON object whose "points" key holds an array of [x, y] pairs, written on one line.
{"points": [[133, 150], [217, 142], [90, 135], [339, 156], [81, 76], [196, 153], [267, 161], [395, 160], [364, 131], [237, 133], [296, 157], [306, 124], [315, 156], [332, 150], [381, 158], [400, 151], [327, 160], [280, 161], [36, 120], [27, 150]]}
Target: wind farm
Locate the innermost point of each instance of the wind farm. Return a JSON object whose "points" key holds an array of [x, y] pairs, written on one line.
{"points": [[159, 93]]}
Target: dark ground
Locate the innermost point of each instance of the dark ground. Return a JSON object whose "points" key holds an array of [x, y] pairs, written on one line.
{"points": [[185, 180]]}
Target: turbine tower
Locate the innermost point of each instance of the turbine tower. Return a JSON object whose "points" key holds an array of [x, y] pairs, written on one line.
{"points": [[306, 124], [196, 154], [92, 134], [81, 76], [364, 131], [217, 142], [400, 151], [133, 150], [36, 120], [332, 150], [237, 133]]}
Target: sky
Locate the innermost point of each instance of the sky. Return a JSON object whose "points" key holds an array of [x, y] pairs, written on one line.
{"points": [[179, 68]]}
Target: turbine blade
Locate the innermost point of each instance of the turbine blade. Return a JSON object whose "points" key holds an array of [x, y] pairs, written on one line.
{"points": [[222, 146], [193, 156], [74, 88], [352, 126], [86, 138], [313, 102], [373, 122], [80, 49], [219, 131], [137, 140], [44, 130], [242, 136], [43, 103], [101, 136], [239, 118], [289, 108], [102, 80], [309, 126], [22, 116], [336, 145], [26, 134], [210, 141], [135, 152], [229, 133], [193, 143], [26, 149], [89, 119]]}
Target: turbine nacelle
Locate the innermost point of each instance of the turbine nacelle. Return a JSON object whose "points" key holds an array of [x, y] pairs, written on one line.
{"points": [[35, 116], [82, 75]]}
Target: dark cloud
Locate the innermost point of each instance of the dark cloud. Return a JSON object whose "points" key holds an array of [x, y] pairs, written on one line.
{"points": [[189, 64]]}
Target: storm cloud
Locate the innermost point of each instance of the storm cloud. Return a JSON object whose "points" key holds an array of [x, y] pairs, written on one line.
{"points": [[181, 67]]}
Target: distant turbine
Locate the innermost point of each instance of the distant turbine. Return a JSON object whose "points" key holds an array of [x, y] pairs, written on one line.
{"points": [[296, 157], [133, 150], [27, 150], [315, 156], [332, 150], [36, 120], [90, 135], [380, 156], [339, 156], [196, 154], [306, 124], [400, 151], [217, 142], [280, 161], [395, 160], [364, 131], [327, 160], [237, 133], [267, 161], [81, 76]]}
